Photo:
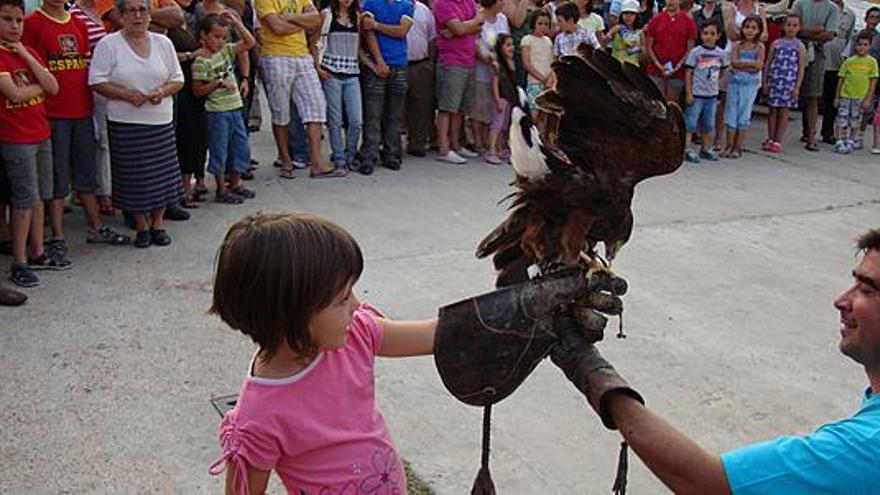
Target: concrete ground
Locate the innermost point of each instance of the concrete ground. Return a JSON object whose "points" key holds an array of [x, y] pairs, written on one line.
{"points": [[109, 368]]}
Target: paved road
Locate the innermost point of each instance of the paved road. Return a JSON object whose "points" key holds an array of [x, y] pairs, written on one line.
{"points": [[108, 370]]}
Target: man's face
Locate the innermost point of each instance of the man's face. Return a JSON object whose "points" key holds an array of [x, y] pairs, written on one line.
{"points": [[871, 19], [859, 308]]}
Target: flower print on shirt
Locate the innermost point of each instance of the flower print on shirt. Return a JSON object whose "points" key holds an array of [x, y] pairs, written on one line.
{"points": [[382, 482]]}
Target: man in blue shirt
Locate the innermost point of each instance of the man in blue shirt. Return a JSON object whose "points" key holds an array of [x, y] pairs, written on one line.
{"points": [[839, 457], [386, 23]]}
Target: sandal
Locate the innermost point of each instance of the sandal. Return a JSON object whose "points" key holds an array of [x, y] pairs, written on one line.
{"points": [[107, 235], [243, 192], [812, 146], [286, 173], [229, 199], [330, 174], [189, 202]]}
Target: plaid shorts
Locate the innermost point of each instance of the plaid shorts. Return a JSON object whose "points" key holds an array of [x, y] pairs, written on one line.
{"points": [[849, 113], [293, 79]]}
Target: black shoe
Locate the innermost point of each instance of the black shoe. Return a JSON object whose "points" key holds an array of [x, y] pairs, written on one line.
{"points": [[160, 237], [142, 239], [417, 153], [247, 176], [829, 140], [176, 213], [365, 169], [391, 164]]}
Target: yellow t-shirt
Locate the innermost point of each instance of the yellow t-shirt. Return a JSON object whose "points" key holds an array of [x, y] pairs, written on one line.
{"points": [[291, 45]]}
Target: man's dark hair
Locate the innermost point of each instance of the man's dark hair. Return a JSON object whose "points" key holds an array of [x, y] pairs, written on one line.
{"points": [[864, 34], [542, 12], [212, 20], [13, 3], [487, 4], [275, 270], [872, 10], [568, 11], [869, 241]]}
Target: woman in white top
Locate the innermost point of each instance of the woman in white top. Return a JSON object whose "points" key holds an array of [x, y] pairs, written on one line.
{"points": [[138, 72]]}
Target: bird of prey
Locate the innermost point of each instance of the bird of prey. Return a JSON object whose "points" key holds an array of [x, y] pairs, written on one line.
{"points": [[609, 128]]}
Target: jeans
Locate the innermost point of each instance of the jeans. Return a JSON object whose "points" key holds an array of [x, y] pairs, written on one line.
{"points": [[383, 102], [701, 115], [343, 92], [227, 139], [297, 139], [738, 108]]}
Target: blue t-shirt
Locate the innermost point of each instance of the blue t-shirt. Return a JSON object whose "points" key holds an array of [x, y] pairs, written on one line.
{"points": [[391, 12], [839, 457]]}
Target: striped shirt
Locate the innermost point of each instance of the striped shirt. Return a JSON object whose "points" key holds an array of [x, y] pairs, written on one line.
{"points": [[341, 55], [95, 29], [219, 66]]}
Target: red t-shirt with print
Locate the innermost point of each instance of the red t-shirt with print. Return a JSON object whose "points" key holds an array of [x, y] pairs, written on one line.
{"points": [[671, 34], [64, 45], [26, 122]]}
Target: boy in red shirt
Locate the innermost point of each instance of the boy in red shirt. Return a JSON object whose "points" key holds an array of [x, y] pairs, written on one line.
{"points": [[62, 40], [24, 142], [668, 38]]}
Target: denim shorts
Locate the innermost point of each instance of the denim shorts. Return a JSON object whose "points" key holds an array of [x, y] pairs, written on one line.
{"points": [[74, 156], [701, 115], [227, 142], [28, 167]]}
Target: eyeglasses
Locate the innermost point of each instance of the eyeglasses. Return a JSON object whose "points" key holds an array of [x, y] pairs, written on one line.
{"points": [[137, 11]]}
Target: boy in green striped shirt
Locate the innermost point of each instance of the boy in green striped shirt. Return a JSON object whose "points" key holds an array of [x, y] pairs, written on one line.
{"points": [[214, 77]]}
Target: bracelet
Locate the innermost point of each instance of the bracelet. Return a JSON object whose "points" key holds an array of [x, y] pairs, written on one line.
{"points": [[245, 78]]}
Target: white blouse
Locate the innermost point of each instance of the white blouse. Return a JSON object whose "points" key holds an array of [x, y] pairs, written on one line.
{"points": [[114, 61]]}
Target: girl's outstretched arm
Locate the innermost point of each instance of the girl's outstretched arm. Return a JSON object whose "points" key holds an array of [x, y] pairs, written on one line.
{"points": [[408, 338]]}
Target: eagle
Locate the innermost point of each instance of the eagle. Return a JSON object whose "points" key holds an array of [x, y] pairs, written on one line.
{"points": [[608, 128]]}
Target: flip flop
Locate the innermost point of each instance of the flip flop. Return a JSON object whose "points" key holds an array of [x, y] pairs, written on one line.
{"points": [[286, 173], [330, 174]]}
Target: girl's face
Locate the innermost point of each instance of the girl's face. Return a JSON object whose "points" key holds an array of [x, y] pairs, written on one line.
{"points": [[628, 18], [344, 5], [542, 26], [507, 48], [750, 31], [329, 327], [792, 26]]}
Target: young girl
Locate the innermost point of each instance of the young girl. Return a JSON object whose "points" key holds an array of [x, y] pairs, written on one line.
{"points": [[338, 68], [626, 38], [307, 408], [504, 93], [747, 60], [782, 80], [537, 55]]}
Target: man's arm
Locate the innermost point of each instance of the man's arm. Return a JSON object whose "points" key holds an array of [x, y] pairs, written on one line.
{"points": [[464, 28], [309, 19], [393, 30], [279, 26], [675, 459]]}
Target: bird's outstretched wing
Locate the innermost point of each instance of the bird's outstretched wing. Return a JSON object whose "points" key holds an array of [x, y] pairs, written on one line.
{"points": [[608, 128]]}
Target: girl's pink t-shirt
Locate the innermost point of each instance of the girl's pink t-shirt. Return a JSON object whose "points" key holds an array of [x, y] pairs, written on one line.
{"points": [[319, 429]]}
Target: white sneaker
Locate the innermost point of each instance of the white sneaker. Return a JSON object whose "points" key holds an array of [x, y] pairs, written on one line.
{"points": [[467, 153], [452, 157], [300, 165]]}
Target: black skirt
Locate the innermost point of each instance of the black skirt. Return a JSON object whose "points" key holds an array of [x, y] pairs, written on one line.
{"points": [[143, 160]]}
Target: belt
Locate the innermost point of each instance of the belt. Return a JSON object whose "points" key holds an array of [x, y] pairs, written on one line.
{"points": [[414, 62]]}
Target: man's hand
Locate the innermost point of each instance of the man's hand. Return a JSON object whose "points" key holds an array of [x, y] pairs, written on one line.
{"points": [[244, 87]]}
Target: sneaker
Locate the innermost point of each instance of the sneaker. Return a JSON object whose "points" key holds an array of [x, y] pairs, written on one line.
{"points": [[22, 276], [466, 153], [452, 157], [875, 151], [176, 213], [775, 147], [767, 145], [142, 239], [692, 156], [300, 165], [50, 261], [710, 155], [107, 235], [856, 144], [57, 244], [840, 147]]}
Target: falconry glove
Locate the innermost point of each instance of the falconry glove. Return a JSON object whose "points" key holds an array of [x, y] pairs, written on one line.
{"points": [[590, 373]]}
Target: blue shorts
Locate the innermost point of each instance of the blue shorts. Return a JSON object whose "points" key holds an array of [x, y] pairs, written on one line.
{"points": [[701, 115]]}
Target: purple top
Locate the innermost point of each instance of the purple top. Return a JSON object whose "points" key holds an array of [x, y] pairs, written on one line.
{"points": [[459, 50]]}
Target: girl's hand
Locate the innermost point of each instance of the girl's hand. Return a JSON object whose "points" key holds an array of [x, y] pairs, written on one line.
{"points": [[689, 100], [323, 74], [446, 33], [368, 23], [499, 104]]}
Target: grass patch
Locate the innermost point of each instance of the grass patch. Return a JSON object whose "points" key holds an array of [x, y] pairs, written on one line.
{"points": [[414, 484]]}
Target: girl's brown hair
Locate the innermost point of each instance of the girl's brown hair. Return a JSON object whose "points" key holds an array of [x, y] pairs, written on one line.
{"points": [[275, 270]]}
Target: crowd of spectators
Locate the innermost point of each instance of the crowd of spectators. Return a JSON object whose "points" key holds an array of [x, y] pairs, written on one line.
{"points": [[123, 106]]}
